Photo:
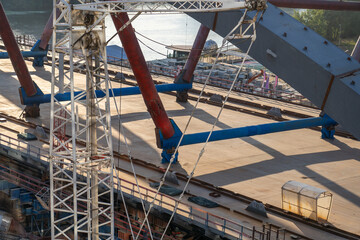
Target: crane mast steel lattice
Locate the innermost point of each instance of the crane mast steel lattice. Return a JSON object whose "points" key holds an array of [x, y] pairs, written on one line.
{"points": [[81, 161], [81, 175]]}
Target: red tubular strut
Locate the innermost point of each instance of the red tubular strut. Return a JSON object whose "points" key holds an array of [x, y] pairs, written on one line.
{"points": [[142, 75], [317, 4], [48, 30], [16, 58], [195, 52]]}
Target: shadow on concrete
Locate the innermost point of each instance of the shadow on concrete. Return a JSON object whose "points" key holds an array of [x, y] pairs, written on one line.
{"points": [[199, 114], [281, 163]]}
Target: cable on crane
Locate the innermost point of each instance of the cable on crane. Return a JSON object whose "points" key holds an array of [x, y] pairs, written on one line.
{"points": [[116, 171], [85, 53], [210, 133], [241, 21], [121, 130]]}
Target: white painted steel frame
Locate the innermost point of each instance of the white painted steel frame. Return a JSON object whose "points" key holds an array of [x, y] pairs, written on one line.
{"points": [[162, 6], [79, 175]]}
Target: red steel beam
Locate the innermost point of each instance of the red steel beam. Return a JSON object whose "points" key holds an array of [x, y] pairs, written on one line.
{"points": [[16, 58], [317, 4], [48, 30], [142, 75], [195, 53]]}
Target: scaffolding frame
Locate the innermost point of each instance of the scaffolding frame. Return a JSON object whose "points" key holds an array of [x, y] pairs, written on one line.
{"points": [[162, 6], [81, 176]]}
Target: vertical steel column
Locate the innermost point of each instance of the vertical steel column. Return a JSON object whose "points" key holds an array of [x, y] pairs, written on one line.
{"points": [[142, 75], [16, 58], [48, 30], [195, 53], [187, 73], [356, 51]]}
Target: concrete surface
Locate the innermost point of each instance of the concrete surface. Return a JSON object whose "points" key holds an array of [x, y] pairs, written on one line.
{"points": [[253, 166]]}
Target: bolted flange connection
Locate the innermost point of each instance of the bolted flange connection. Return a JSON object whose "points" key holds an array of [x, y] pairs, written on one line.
{"points": [[256, 5]]}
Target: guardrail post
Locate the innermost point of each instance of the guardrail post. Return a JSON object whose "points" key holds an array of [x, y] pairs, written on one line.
{"points": [[284, 233], [253, 233], [224, 226], [241, 233], [207, 220], [269, 231], [28, 151]]}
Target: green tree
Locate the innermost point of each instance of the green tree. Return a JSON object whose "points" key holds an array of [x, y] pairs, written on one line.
{"points": [[331, 24]]}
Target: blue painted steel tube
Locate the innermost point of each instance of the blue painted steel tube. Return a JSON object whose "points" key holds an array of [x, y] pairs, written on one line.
{"points": [[26, 54], [256, 130], [117, 92]]}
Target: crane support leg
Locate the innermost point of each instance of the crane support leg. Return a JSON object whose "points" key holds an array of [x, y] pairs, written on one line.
{"points": [[18, 63], [48, 31], [142, 75], [187, 74], [16, 58], [43, 43]]}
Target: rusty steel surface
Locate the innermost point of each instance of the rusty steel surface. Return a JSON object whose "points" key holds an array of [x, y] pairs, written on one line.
{"points": [[195, 52], [16, 58], [48, 30], [142, 75]]}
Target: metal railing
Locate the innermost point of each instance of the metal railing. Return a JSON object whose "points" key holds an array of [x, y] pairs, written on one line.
{"points": [[220, 82], [35, 186], [292, 97], [24, 147], [223, 225], [25, 40]]}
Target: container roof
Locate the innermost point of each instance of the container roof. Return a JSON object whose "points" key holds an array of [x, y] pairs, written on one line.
{"points": [[116, 51], [180, 48], [304, 189]]}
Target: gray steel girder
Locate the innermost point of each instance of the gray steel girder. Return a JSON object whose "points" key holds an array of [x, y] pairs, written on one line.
{"points": [[302, 58]]}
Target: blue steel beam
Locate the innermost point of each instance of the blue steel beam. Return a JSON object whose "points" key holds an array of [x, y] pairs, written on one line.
{"points": [[167, 144], [46, 98], [26, 54], [315, 67]]}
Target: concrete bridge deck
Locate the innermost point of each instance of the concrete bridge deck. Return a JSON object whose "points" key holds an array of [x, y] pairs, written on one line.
{"points": [[254, 166]]}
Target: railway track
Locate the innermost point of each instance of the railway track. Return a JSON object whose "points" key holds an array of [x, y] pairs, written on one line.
{"points": [[222, 191]]}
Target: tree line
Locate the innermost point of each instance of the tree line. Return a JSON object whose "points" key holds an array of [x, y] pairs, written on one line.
{"points": [[333, 25]]}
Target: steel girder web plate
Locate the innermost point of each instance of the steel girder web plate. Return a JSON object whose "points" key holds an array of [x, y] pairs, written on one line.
{"points": [[302, 58]]}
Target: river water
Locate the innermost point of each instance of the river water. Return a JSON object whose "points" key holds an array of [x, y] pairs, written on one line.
{"points": [[170, 29]]}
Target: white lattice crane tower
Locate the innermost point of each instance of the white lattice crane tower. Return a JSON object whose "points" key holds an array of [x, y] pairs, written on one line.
{"points": [[81, 168], [81, 164]]}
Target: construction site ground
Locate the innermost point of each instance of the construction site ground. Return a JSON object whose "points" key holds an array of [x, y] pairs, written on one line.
{"points": [[253, 166]]}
